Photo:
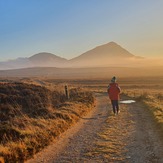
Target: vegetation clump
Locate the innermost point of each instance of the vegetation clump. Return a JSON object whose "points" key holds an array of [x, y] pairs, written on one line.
{"points": [[31, 116], [153, 100]]}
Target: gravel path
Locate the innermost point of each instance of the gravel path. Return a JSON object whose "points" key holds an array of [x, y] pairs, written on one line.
{"points": [[146, 143], [101, 137]]}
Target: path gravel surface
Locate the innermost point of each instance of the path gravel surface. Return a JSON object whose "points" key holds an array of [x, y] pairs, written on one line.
{"points": [[131, 136]]}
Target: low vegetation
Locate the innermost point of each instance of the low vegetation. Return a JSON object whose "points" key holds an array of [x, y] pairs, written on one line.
{"points": [[32, 116], [153, 100]]}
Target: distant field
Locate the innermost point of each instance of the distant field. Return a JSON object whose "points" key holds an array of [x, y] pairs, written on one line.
{"points": [[83, 73], [126, 83]]}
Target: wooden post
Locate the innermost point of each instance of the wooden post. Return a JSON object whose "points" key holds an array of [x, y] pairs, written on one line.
{"points": [[66, 92]]}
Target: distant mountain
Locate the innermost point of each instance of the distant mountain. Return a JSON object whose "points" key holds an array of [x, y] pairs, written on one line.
{"points": [[47, 60], [111, 50], [110, 54], [104, 55], [14, 64], [37, 60]]}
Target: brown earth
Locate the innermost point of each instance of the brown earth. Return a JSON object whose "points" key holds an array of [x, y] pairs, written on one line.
{"points": [[132, 136]]}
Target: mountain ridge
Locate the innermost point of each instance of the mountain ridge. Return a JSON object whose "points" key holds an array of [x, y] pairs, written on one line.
{"points": [[109, 54]]}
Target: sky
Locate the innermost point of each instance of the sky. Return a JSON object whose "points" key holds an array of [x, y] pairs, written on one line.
{"points": [[68, 28]]}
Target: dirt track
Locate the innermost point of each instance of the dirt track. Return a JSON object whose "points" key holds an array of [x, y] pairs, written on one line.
{"points": [[130, 136]]}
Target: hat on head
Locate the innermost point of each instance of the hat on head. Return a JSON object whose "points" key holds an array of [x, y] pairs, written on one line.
{"points": [[113, 80]]}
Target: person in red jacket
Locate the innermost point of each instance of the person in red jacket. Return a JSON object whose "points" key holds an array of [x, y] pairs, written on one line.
{"points": [[113, 92]]}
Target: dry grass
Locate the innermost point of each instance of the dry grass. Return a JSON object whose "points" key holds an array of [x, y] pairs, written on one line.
{"points": [[32, 116], [148, 91], [28, 125], [153, 100]]}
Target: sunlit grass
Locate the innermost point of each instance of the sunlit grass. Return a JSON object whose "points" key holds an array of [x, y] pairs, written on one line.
{"points": [[153, 101], [33, 120], [35, 132]]}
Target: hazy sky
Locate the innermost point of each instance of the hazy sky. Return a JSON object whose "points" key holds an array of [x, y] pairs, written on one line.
{"points": [[68, 28]]}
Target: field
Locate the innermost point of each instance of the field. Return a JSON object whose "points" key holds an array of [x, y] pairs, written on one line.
{"points": [[33, 115], [34, 111]]}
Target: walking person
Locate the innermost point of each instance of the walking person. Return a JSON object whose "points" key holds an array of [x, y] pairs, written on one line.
{"points": [[113, 92]]}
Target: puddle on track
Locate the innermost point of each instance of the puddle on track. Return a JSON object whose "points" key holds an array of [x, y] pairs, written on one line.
{"points": [[127, 101]]}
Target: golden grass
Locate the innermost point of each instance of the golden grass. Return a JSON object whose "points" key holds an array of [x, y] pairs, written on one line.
{"points": [[32, 130], [32, 116], [1, 160], [153, 100]]}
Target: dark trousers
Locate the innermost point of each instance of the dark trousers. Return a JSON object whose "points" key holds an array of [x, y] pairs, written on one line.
{"points": [[115, 105]]}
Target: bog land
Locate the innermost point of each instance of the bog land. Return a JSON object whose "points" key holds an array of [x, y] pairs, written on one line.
{"points": [[135, 135]]}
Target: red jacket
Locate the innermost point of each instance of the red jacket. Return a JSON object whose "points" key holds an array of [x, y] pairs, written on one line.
{"points": [[114, 91]]}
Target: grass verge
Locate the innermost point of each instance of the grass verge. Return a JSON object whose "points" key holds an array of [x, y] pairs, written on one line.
{"points": [[33, 116], [153, 101]]}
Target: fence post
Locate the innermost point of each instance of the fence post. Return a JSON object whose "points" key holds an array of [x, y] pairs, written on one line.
{"points": [[66, 92]]}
